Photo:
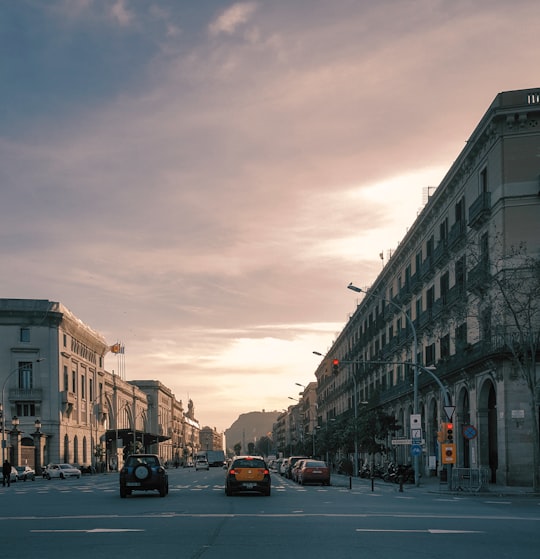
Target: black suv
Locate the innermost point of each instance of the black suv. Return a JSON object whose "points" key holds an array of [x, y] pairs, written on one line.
{"points": [[143, 472]]}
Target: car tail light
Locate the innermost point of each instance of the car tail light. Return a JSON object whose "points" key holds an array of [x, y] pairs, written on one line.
{"points": [[232, 472], [266, 472]]}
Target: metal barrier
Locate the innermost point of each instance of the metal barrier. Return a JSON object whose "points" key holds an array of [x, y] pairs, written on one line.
{"points": [[470, 479]]}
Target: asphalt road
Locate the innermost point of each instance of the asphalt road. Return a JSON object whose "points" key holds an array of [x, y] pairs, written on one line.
{"points": [[86, 518]]}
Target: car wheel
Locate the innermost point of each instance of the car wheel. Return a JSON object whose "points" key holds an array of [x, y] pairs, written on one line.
{"points": [[62, 476], [268, 492], [123, 492], [163, 489]]}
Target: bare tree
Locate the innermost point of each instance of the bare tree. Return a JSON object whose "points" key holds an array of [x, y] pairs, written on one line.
{"points": [[507, 309]]}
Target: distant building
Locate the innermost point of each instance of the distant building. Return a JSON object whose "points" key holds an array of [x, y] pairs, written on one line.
{"points": [[59, 404]]}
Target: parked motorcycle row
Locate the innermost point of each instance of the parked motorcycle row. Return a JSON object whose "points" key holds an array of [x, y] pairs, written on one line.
{"points": [[392, 473]]}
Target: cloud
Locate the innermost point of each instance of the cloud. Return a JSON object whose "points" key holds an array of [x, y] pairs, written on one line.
{"points": [[211, 203], [232, 18]]}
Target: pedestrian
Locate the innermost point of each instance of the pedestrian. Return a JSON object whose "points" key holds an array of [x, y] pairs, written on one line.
{"points": [[6, 472]]}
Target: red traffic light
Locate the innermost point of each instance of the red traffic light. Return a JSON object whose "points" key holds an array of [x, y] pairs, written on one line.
{"points": [[335, 366]]}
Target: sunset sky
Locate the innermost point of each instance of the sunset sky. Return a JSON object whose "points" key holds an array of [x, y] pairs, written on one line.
{"points": [[200, 180]]}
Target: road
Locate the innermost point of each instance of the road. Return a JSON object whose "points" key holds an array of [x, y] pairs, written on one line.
{"points": [[86, 518]]}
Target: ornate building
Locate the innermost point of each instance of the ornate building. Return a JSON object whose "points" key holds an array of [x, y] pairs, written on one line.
{"points": [[449, 329], [59, 404]]}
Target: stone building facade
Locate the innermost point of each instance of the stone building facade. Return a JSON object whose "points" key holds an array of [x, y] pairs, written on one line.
{"points": [[59, 404], [437, 303]]}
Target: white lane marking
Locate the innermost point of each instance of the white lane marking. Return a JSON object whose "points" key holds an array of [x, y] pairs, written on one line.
{"points": [[428, 531], [92, 531]]}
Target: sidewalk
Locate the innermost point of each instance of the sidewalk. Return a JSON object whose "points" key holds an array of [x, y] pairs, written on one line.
{"points": [[431, 485]]}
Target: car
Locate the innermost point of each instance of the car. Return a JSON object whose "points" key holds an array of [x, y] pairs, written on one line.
{"points": [[290, 465], [202, 464], [143, 472], [248, 474], [296, 468], [313, 471], [62, 471], [25, 472], [283, 466]]}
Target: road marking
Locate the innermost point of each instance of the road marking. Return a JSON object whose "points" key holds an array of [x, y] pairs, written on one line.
{"points": [[428, 531], [92, 531]]}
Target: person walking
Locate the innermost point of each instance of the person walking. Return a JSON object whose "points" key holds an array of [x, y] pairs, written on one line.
{"points": [[6, 472]]}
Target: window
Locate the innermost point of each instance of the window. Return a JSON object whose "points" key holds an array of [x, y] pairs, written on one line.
{"points": [[430, 354], [64, 340], [445, 346], [24, 335], [461, 336], [444, 287], [26, 409], [83, 386], [443, 230], [430, 298], [66, 378], [74, 382], [483, 181], [460, 274], [25, 375]]}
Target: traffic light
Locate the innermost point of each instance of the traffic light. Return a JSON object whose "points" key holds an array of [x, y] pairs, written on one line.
{"points": [[450, 432], [443, 432], [335, 366]]}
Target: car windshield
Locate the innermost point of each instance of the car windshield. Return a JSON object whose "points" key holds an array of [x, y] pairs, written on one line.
{"points": [[66, 466], [249, 463], [136, 460], [314, 464]]}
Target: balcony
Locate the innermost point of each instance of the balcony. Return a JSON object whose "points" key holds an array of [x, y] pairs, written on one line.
{"points": [[440, 253], [25, 395], [456, 234], [478, 278], [480, 210]]}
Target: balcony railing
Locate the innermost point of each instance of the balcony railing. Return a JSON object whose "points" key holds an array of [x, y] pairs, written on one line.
{"points": [[480, 210]]}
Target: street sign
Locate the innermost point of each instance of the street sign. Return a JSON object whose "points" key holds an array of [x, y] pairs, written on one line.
{"points": [[421, 442], [449, 411], [416, 434], [469, 432], [416, 450]]}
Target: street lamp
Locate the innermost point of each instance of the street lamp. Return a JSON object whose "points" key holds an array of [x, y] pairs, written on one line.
{"points": [[414, 361], [2, 416]]}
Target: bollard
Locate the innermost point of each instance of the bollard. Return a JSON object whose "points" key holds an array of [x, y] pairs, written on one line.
{"points": [[372, 483], [350, 482], [401, 483]]}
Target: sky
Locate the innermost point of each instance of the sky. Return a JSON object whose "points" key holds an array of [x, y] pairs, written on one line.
{"points": [[201, 180]]}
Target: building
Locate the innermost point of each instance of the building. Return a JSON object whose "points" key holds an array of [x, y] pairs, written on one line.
{"points": [[438, 315], [59, 404]]}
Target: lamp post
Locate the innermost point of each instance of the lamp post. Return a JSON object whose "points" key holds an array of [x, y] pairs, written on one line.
{"points": [[414, 362], [10, 374], [37, 446], [15, 434]]}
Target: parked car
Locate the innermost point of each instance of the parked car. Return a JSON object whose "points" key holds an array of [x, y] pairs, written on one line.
{"points": [[25, 472], [201, 463], [290, 464], [143, 472], [62, 471], [248, 474], [283, 466], [313, 471], [296, 468]]}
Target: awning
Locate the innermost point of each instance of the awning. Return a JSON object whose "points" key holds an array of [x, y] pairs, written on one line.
{"points": [[126, 435]]}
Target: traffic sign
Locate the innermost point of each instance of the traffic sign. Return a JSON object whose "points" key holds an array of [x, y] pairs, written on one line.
{"points": [[416, 450], [469, 432], [449, 411]]}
